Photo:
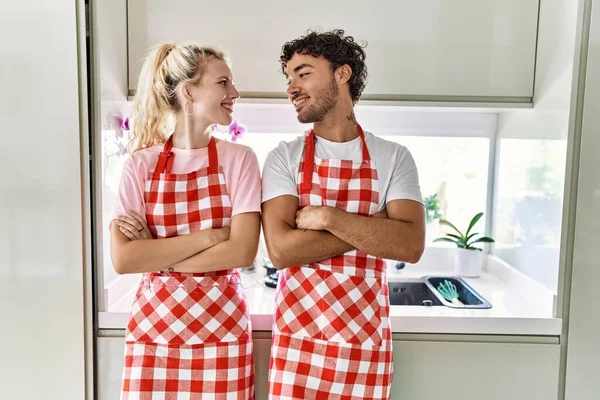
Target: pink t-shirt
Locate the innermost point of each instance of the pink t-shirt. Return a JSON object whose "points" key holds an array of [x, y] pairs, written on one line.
{"points": [[240, 168]]}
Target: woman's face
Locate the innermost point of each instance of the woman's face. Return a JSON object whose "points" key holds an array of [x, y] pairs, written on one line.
{"points": [[215, 95]]}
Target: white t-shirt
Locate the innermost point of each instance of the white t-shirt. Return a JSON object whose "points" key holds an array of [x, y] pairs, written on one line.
{"points": [[396, 169]]}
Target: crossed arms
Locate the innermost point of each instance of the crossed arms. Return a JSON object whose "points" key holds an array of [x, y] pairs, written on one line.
{"points": [[313, 234]]}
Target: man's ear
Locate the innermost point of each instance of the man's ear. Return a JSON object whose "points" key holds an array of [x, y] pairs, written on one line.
{"points": [[343, 73]]}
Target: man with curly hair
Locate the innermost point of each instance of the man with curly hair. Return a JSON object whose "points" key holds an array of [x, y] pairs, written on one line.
{"points": [[337, 201]]}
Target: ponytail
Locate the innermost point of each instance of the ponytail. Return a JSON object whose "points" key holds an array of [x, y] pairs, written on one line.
{"points": [[155, 104]]}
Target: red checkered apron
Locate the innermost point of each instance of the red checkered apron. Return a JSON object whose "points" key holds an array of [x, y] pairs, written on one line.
{"points": [[189, 334], [331, 334]]}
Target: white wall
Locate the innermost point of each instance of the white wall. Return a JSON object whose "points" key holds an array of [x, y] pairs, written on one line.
{"points": [[41, 242], [530, 188], [583, 348]]}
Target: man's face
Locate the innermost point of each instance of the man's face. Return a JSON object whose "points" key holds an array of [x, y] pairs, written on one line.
{"points": [[312, 88]]}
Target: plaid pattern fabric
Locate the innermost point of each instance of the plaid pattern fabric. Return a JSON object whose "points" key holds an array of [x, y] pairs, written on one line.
{"points": [[331, 307], [352, 187], [345, 184], [331, 332], [177, 204], [189, 335], [211, 371], [302, 368], [177, 309]]}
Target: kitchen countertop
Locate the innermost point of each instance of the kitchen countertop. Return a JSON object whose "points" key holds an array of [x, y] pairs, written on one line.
{"points": [[520, 305]]}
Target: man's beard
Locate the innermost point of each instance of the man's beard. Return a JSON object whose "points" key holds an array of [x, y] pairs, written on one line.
{"points": [[325, 100]]}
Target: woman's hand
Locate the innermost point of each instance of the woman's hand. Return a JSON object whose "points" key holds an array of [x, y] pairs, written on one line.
{"points": [[133, 226]]}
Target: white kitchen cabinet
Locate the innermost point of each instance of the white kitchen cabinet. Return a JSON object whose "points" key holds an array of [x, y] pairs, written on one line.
{"points": [[110, 354], [423, 369], [429, 50], [262, 354], [475, 371]]}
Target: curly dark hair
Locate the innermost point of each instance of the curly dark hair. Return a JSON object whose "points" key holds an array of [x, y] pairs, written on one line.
{"points": [[337, 49]]}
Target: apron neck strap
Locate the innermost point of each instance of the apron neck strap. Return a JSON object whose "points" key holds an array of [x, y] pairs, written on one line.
{"points": [[309, 157], [213, 157], [309, 162], [166, 157], [365, 150]]}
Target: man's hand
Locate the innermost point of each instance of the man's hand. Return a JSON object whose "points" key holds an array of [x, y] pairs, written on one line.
{"points": [[289, 246], [312, 217]]}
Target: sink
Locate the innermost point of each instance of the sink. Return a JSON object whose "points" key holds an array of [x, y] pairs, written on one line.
{"points": [[412, 293], [423, 292], [466, 294]]}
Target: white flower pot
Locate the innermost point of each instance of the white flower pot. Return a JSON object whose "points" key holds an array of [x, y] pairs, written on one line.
{"points": [[469, 263]]}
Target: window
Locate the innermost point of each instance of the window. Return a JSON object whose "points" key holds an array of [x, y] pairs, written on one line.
{"points": [[452, 158], [528, 214], [453, 171], [114, 138]]}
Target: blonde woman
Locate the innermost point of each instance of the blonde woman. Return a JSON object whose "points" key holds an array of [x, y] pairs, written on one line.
{"points": [[189, 333]]}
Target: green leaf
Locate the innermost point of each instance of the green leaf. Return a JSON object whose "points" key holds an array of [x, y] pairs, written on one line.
{"points": [[448, 223], [475, 219], [474, 248], [483, 239], [447, 240], [471, 236], [460, 239]]}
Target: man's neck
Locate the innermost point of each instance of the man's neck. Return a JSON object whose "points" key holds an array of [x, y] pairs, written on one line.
{"points": [[338, 126]]}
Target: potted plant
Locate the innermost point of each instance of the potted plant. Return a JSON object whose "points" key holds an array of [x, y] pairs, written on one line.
{"points": [[469, 259]]}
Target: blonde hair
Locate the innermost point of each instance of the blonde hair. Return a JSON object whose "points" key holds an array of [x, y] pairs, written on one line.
{"points": [[166, 68]]}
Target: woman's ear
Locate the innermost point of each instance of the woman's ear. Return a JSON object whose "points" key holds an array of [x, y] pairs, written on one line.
{"points": [[186, 93]]}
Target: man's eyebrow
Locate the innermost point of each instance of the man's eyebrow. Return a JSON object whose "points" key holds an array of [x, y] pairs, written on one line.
{"points": [[299, 67]]}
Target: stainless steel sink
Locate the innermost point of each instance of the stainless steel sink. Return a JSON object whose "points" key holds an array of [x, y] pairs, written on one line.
{"points": [[466, 294], [412, 293], [423, 292]]}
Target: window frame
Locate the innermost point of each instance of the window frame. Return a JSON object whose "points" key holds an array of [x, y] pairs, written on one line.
{"points": [[279, 118]]}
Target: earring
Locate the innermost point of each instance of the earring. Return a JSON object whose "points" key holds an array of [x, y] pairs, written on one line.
{"points": [[185, 108]]}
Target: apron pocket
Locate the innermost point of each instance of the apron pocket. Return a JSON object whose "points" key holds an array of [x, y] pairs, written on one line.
{"points": [[330, 306], [188, 315]]}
